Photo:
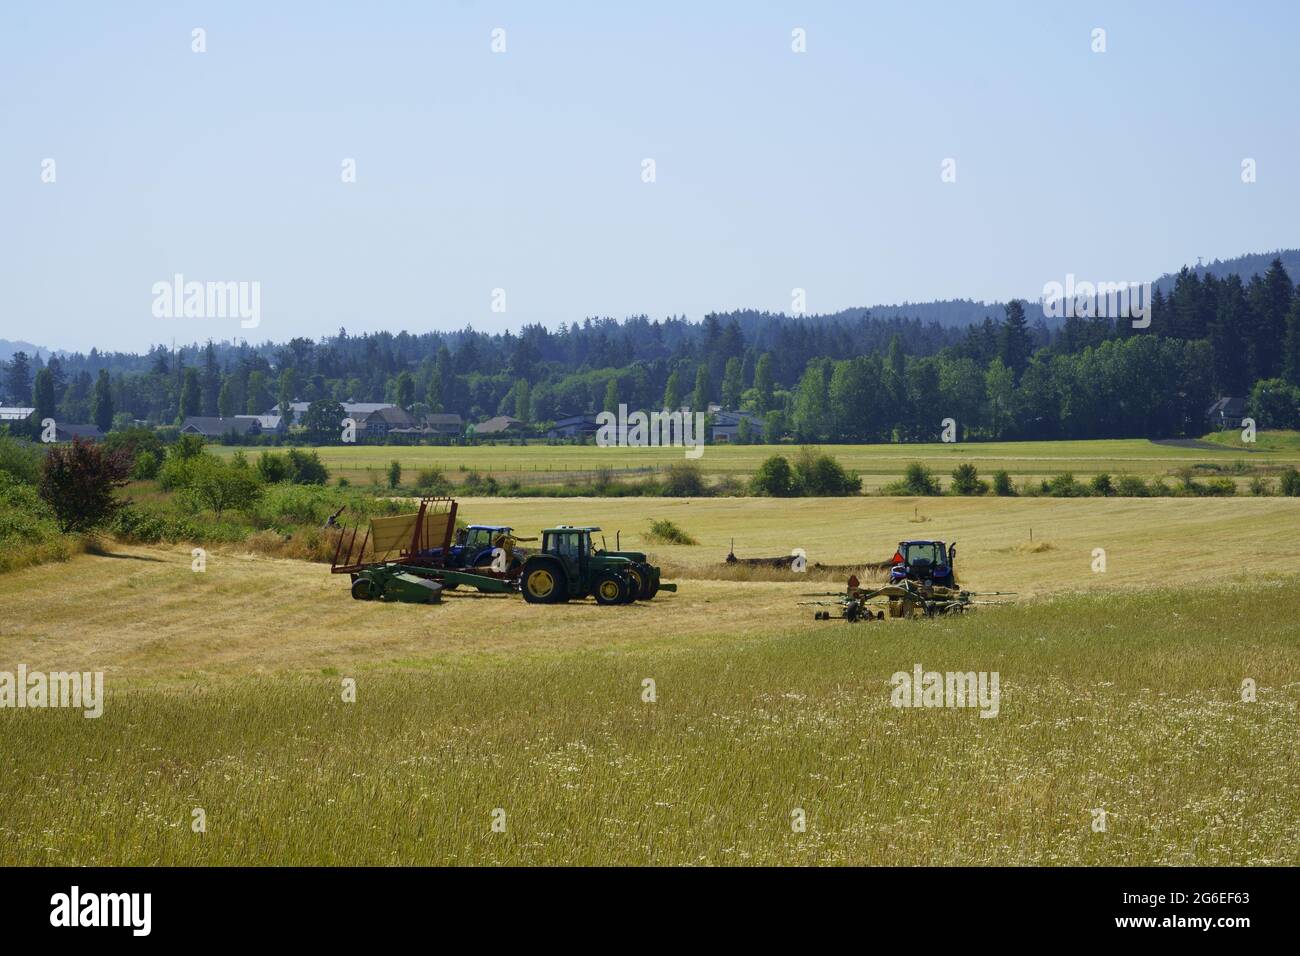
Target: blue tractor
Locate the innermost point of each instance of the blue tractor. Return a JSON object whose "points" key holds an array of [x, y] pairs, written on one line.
{"points": [[929, 562], [481, 546]]}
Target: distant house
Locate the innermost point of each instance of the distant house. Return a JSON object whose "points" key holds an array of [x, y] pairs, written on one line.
{"points": [[432, 426], [239, 426], [726, 425], [381, 421], [500, 425], [1226, 413], [269, 424], [449, 425], [14, 413], [354, 410], [64, 432], [574, 426]]}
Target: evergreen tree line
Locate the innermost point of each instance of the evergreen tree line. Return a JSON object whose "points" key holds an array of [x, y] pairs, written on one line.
{"points": [[843, 378]]}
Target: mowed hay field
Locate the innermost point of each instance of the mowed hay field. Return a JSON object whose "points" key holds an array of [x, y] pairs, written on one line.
{"points": [[540, 463], [1120, 691]]}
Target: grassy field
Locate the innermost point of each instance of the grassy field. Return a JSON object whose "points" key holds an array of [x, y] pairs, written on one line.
{"points": [[878, 464], [1119, 691]]}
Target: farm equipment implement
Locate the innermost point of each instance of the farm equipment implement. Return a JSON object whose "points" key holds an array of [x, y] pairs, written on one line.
{"points": [[791, 562], [906, 599], [412, 558], [922, 583], [406, 557]]}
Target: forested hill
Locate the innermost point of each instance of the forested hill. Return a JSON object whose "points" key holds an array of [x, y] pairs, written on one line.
{"points": [[946, 313], [959, 313], [847, 377], [1248, 266]]}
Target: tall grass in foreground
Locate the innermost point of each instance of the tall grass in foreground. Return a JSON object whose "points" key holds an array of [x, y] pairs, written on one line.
{"points": [[1131, 704]]}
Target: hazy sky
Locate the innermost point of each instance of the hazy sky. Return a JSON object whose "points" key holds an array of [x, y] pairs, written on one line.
{"points": [[523, 170]]}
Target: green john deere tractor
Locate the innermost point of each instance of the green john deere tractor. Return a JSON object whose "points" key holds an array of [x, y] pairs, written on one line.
{"points": [[569, 565]]}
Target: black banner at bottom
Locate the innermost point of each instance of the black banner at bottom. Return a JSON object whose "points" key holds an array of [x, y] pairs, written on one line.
{"points": [[333, 905]]}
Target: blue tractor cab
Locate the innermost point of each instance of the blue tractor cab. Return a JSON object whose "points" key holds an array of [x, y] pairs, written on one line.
{"points": [[930, 562], [473, 546]]}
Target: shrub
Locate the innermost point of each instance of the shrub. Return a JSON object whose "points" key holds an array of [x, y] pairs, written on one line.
{"points": [[1221, 487], [602, 483], [1187, 483], [19, 458], [217, 485], [1131, 486], [394, 473], [77, 482], [1260, 486], [181, 461], [917, 480], [187, 446], [966, 481], [431, 481], [135, 441], [684, 479], [29, 533], [774, 478], [663, 531], [1064, 486], [477, 484], [146, 466], [272, 467], [728, 486], [305, 468], [1102, 486], [1289, 482], [24, 515], [1002, 484], [132, 524], [819, 474]]}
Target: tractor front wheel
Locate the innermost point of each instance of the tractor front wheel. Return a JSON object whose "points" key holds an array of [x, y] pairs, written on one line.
{"points": [[638, 584], [610, 588], [361, 590]]}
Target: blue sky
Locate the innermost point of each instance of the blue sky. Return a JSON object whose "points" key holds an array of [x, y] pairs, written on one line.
{"points": [[522, 170]]}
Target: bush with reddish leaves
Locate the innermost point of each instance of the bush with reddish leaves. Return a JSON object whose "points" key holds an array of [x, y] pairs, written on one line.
{"points": [[77, 482]]}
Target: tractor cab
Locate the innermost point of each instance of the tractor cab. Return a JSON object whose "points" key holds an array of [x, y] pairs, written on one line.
{"points": [[478, 538], [930, 562], [475, 546], [573, 548]]}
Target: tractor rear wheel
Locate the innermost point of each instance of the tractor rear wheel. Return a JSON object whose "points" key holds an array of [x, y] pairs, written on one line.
{"points": [[543, 584], [610, 588]]}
